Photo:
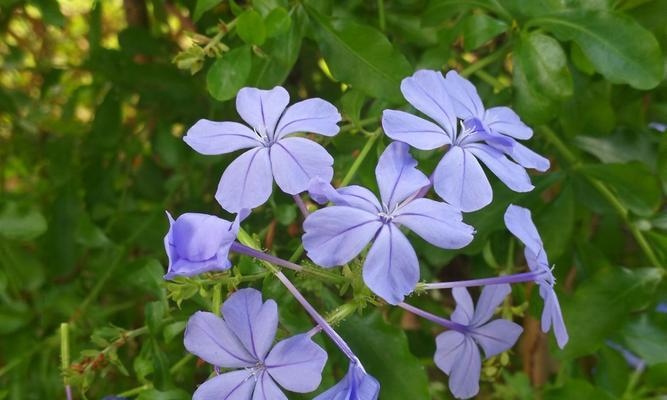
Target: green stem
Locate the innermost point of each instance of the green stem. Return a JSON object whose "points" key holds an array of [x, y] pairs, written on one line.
{"points": [[363, 122], [483, 62], [182, 362], [381, 19], [64, 356], [622, 211], [360, 159], [136, 390]]}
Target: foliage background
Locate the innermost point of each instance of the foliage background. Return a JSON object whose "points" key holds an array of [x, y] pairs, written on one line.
{"points": [[94, 97]]}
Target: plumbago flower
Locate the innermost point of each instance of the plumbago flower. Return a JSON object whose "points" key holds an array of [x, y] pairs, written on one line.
{"points": [[457, 353], [197, 243], [335, 235], [520, 223], [356, 385], [242, 340], [485, 135], [274, 152]]}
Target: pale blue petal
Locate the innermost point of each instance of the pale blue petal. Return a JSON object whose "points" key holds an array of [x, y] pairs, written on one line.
{"points": [[497, 336], [553, 316], [235, 385], [505, 121], [247, 182], [449, 345], [296, 363], [311, 116], [436, 222], [208, 337], [254, 322], [518, 220], [356, 385], [460, 181], [391, 269], [527, 158], [492, 296], [353, 196], [295, 161], [464, 96], [210, 137], [464, 378], [426, 91], [262, 109], [413, 130], [266, 388], [511, 174], [397, 176], [464, 311]]}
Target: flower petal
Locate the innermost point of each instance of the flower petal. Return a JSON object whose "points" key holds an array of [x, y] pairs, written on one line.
{"points": [[266, 388], [527, 158], [211, 137], [235, 385], [552, 315], [426, 91], [397, 176], [335, 235], [436, 222], [312, 115], [356, 385], [391, 269], [352, 196], [252, 321], [460, 180], [464, 379], [296, 363], [247, 182], [497, 336], [449, 345], [464, 96], [513, 175], [518, 220], [505, 121], [413, 130], [262, 109], [295, 161], [489, 300], [464, 311]]}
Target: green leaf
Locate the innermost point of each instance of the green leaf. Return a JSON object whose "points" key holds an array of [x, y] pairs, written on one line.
{"points": [[250, 27], [545, 65], [603, 303], [386, 356], [634, 184], [277, 22], [203, 6], [174, 394], [556, 237], [361, 56], [619, 48], [21, 223], [479, 29], [577, 389], [229, 74], [647, 340], [533, 106]]}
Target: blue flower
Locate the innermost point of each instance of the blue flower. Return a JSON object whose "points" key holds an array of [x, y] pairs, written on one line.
{"points": [[356, 385], [335, 235], [243, 340], [275, 153], [520, 223], [485, 135], [457, 353]]}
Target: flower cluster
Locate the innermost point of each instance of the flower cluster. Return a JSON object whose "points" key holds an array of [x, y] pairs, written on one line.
{"points": [[469, 135]]}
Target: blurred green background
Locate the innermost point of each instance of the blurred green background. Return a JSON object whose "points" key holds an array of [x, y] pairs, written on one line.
{"points": [[95, 96]]}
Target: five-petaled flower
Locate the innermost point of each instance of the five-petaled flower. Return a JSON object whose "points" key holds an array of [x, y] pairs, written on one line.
{"points": [[243, 340], [274, 151], [520, 223], [487, 135], [335, 235], [197, 243], [356, 385], [457, 352]]}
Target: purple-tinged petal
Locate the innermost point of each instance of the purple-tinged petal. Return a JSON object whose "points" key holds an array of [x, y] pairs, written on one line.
{"points": [[511, 174], [413, 130], [464, 378], [211, 138], [262, 109], [352, 196], [449, 345], [460, 181], [489, 300], [312, 115], [436, 222], [296, 363], [518, 220], [426, 91], [254, 322], [235, 385], [505, 121], [497, 336], [464, 311], [247, 182], [391, 269], [527, 158], [397, 176], [552, 315], [464, 96], [208, 337], [266, 388], [295, 161], [335, 235], [356, 385]]}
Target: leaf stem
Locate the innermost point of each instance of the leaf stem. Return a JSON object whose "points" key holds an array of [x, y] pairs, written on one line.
{"points": [[64, 357], [381, 19]]}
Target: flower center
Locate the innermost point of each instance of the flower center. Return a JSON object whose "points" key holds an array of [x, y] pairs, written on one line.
{"points": [[385, 217]]}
